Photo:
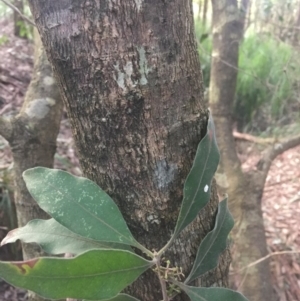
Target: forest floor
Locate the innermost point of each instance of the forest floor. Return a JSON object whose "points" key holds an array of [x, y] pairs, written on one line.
{"points": [[281, 199]]}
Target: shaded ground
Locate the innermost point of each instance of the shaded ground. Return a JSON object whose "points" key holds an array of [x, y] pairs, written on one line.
{"points": [[281, 200], [281, 207], [281, 210]]}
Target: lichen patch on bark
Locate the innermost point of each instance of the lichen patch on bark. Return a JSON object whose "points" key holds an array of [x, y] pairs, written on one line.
{"points": [[39, 108]]}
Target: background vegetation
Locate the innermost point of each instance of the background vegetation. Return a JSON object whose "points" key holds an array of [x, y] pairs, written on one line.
{"points": [[269, 66]]}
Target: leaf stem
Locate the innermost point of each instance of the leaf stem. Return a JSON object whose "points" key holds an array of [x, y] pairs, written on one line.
{"points": [[163, 289], [145, 250], [161, 251], [162, 281]]}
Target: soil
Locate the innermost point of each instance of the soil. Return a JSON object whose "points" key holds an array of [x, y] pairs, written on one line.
{"points": [[281, 199]]}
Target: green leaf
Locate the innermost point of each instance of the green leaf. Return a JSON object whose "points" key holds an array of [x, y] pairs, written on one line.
{"points": [[213, 244], [211, 294], [56, 239], [78, 204], [120, 297], [197, 187], [94, 275]]}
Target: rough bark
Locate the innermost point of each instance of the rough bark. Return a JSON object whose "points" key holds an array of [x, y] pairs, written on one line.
{"points": [[244, 192], [130, 76], [32, 138]]}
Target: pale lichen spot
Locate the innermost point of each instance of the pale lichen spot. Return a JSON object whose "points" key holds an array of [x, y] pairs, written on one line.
{"points": [[143, 64], [206, 188], [164, 173], [128, 69], [153, 219], [150, 217], [120, 77], [138, 4], [221, 179], [48, 81], [39, 108], [124, 79]]}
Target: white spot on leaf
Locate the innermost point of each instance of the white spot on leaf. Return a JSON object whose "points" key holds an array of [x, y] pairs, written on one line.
{"points": [[206, 188]]}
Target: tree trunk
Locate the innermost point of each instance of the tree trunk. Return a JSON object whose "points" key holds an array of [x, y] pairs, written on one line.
{"points": [[244, 194], [199, 10], [131, 81], [32, 138], [204, 15], [18, 20]]}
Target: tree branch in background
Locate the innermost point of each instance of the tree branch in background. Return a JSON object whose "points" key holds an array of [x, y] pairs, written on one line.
{"points": [[18, 11], [278, 147], [264, 258], [248, 137], [275, 150]]}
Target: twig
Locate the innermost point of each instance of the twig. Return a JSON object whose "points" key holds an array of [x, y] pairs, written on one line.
{"points": [[4, 167], [264, 258], [275, 150], [242, 282], [18, 11], [248, 137]]}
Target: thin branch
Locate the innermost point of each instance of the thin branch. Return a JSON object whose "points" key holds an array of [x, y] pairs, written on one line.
{"points": [[264, 258], [161, 280], [18, 11], [278, 147], [275, 150], [248, 137]]}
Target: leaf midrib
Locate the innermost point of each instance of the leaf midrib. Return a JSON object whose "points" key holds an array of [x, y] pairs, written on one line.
{"points": [[88, 275], [198, 187], [75, 237], [205, 254]]}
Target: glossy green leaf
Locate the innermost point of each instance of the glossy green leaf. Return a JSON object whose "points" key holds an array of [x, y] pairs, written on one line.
{"points": [[120, 297], [78, 204], [94, 275], [56, 239], [212, 294], [197, 187], [213, 244]]}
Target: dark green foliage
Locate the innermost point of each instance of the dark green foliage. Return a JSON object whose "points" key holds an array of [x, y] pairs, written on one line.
{"points": [[86, 222]]}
